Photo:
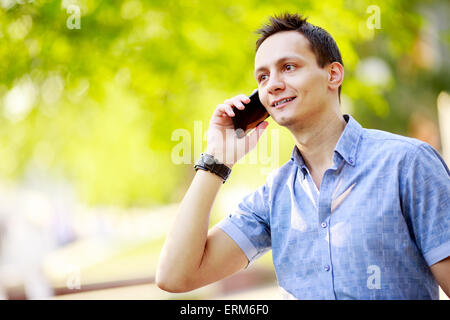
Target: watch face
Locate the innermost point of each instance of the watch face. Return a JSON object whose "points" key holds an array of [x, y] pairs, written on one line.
{"points": [[208, 159]]}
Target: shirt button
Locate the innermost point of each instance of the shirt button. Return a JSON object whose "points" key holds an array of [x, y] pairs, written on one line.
{"points": [[350, 160], [324, 224], [327, 268]]}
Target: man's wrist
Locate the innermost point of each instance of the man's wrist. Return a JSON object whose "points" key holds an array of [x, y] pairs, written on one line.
{"points": [[220, 157], [209, 163]]}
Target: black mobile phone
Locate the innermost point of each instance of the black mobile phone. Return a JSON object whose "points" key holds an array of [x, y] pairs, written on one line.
{"points": [[253, 114]]}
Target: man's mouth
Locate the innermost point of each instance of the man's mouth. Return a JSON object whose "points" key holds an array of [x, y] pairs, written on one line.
{"points": [[283, 101]]}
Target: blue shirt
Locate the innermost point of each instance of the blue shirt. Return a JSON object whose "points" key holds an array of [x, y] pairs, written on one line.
{"points": [[381, 218]]}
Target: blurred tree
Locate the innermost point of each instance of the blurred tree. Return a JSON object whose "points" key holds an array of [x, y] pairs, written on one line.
{"points": [[98, 105]]}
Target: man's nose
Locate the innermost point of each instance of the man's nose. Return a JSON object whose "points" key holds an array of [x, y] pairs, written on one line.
{"points": [[276, 83]]}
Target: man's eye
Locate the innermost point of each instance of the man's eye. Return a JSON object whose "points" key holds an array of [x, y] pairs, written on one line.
{"points": [[262, 77], [289, 67]]}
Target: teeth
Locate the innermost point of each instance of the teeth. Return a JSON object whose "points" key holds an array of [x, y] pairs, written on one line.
{"points": [[283, 101]]}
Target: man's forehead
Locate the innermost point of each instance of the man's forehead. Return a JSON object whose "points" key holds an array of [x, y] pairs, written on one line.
{"points": [[280, 45]]}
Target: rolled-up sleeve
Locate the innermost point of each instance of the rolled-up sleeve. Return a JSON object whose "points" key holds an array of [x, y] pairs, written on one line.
{"points": [[249, 225], [426, 202]]}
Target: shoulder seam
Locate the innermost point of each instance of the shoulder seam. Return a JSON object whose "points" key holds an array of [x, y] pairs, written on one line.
{"points": [[413, 157], [406, 140]]}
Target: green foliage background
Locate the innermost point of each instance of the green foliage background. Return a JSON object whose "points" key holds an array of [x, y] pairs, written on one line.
{"points": [[107, 97]]}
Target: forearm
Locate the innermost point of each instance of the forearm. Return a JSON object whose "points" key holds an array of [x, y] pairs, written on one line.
{"points": [[185, 244]]}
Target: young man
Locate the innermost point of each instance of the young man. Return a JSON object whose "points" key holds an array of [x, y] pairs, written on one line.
{"points": [[355, 214]]}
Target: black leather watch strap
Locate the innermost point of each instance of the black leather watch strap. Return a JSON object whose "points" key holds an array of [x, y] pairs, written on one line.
{"points": [[208, 163]]}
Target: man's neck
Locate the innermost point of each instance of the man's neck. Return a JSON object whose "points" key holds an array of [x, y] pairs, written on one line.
{"points": [[317, 140]]}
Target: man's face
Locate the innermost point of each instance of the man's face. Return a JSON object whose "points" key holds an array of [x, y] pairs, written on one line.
{"points": [[286, 67]]}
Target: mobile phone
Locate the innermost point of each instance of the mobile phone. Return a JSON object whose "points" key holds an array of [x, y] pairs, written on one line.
{"points": [[253, 114]]}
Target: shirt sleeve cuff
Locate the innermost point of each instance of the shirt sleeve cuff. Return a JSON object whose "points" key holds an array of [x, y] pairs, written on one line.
{"points": [[437, 254], [240, 238]]}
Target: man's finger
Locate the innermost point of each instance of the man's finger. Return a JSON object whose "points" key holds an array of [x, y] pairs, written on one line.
{"points": [[256, 134]]}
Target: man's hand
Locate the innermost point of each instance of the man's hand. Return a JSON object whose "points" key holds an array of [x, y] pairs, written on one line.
{"points": [[222, 140]]}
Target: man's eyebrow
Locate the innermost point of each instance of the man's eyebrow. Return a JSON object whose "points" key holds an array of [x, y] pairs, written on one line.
{"points": [[280, 61]]}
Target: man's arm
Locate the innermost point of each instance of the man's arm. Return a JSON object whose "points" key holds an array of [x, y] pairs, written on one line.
{"points": [[193, 257], [441, 272], [426, 203]]}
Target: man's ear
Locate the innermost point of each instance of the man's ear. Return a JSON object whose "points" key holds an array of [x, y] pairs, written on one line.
{"points": [[335, 75]]}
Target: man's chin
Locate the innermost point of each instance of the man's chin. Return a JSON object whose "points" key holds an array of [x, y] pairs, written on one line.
{"points": [[286, 121]]}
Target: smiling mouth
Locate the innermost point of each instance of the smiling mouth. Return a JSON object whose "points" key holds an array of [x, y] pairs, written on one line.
{"points": [[283, 102]]}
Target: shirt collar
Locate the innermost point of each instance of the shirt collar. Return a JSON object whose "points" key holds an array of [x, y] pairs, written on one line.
{"points": [[346, 146]]}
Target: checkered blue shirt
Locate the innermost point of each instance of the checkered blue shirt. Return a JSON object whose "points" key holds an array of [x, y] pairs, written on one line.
{"points": [[381, 218]]}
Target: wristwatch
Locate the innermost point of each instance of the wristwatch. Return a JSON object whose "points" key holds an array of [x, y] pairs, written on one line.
{"points": [[207, 162]]}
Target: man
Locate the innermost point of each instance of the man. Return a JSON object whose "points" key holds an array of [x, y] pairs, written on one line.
{"points": [[355, 213]]}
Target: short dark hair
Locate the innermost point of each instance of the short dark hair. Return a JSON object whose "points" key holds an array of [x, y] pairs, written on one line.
{"points": [[321, 42]]}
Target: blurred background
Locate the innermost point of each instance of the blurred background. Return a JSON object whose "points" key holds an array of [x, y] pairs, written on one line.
{"points": [[99, 99]]}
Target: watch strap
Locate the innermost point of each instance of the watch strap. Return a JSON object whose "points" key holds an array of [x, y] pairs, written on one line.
{"points": [[207, 162]]}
